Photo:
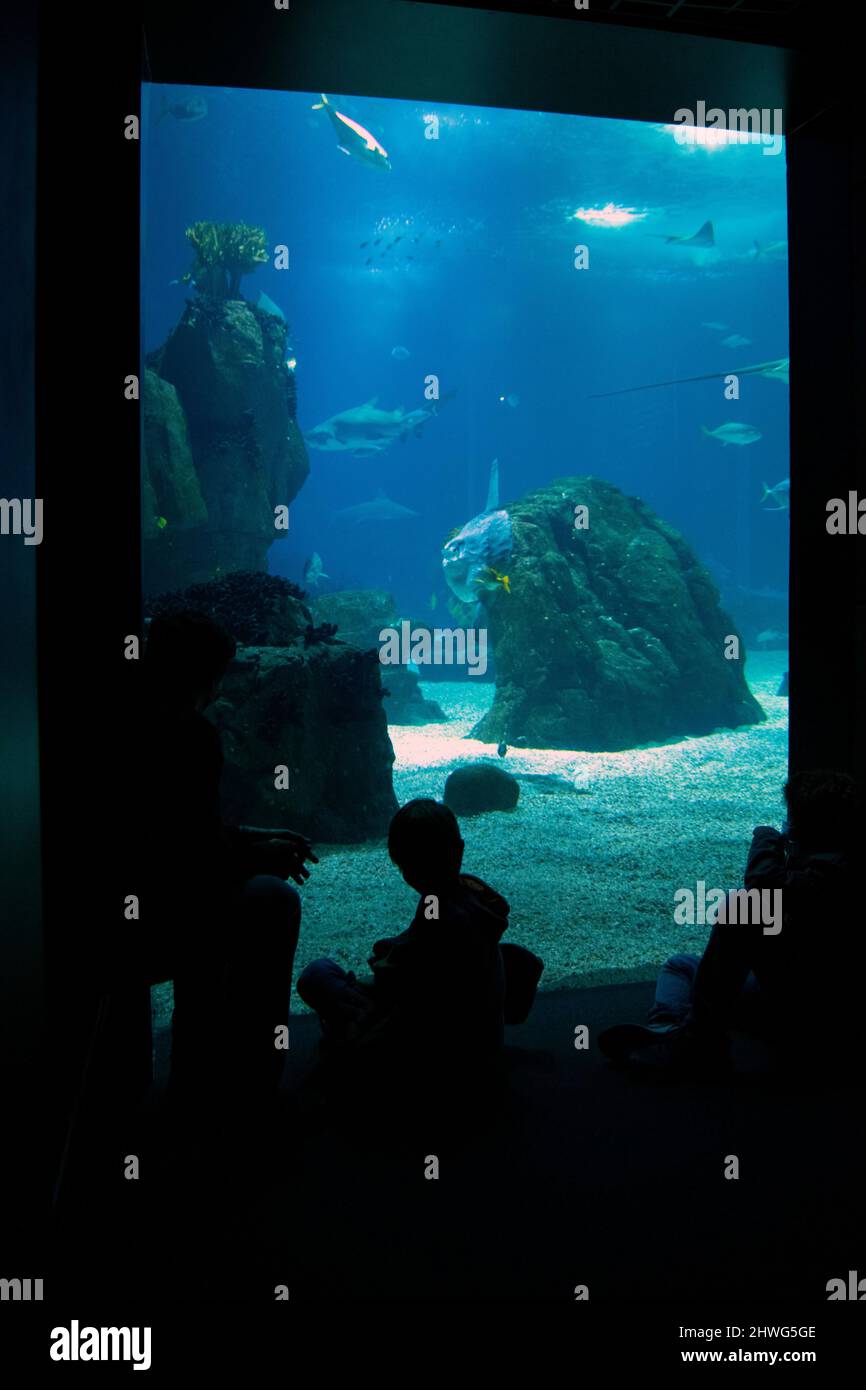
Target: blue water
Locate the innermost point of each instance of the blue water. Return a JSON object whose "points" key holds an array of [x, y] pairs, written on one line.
{"points": [[496, 310]]}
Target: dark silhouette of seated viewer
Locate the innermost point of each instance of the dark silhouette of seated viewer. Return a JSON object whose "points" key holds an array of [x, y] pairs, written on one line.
{"points": [[795, 977], [431, 1020], [217, 915]]}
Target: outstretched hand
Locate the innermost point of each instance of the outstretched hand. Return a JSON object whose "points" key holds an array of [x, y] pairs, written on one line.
{"points": [[285, 853]]}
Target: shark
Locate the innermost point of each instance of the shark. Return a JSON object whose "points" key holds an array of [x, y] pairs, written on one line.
{"points": [[353, 139], [380, 509], [776, 370], [481, 547], [365, 429]]}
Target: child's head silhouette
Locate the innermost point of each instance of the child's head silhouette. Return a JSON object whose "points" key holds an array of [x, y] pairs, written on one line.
{"points": [[424, 842], [186, 657]]}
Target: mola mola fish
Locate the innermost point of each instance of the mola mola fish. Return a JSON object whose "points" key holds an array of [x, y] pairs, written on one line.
{"points": [[482, 545]]}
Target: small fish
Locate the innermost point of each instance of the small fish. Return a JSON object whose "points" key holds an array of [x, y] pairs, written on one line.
{"points": [[437, 244], [378, 241], [161, 522], [513, 400], [194, 109], [719, 327], [733, 433], [396, 239], [363, 244], [771, 635], [390, 244], [780, 494], [491, 580], [433, 601], [783, 685], [400, 353], [369, 260], [313, 570], [502, 749], [291, 363], [735, 340]]}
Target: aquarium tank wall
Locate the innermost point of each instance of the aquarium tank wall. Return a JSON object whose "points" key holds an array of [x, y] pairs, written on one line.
{"points": [[471, 425]]}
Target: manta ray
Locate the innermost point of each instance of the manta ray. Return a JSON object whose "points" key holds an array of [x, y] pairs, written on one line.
{"points": [[777, 370]]}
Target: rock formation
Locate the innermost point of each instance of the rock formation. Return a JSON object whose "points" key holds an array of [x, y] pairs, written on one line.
{"points": [[360, 615], [612, 636], [313, 706], [221, 446]]}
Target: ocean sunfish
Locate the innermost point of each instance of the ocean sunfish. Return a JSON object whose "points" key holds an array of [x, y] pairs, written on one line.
{"points": [[479, 548]]}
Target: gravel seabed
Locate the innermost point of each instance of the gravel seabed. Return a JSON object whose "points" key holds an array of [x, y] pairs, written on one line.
{"points": [[591, 876]]}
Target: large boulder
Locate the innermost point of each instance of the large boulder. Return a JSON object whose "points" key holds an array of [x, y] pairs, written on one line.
{"points": [[360, 615], [295, 696], [316, 709], [221, 444], [478, 787], [611, 636]]}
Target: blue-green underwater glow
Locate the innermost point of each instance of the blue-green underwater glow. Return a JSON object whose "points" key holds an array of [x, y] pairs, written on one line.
{"points": [[535, 267]]}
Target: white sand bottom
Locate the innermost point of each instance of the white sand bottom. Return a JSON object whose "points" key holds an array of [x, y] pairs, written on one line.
{"points": [[590, 877]]}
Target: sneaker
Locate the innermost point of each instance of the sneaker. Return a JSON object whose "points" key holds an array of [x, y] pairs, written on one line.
{"points": [[624, 1038], [681, 1053]]}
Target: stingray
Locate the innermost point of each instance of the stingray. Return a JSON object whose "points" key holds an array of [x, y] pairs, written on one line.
{"points": [[777, 370], [548, 782]]}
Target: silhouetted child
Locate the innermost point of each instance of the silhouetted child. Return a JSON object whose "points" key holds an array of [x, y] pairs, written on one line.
{"points": [[797, 979], [442, 989], [216, 913]]}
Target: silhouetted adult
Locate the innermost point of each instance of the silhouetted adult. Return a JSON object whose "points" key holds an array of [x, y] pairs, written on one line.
{"points": [[788, 961], [216, 913]]}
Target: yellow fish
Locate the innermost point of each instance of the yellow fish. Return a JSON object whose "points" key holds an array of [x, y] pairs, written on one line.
{"points": [[493, 579]]}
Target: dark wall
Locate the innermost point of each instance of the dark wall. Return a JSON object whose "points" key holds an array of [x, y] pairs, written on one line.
{"points": [[21, 982], [826, 171]]}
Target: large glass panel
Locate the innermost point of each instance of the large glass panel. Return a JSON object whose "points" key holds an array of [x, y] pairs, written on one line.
{"points": [[519, 379]]}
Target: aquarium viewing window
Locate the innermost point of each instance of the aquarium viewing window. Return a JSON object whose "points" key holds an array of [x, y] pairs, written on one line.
{"points": [[501, 395]]}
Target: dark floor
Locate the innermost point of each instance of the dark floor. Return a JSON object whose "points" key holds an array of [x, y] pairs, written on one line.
{"points": [[583, 1175]]}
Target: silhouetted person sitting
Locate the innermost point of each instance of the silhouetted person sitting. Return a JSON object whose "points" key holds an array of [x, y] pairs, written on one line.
{"points": [[441, 990], [217, 916], [787, 963]]}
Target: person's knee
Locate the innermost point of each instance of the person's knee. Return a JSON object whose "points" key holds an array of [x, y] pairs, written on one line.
{"points": [[314, 977], [683, 963]]}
